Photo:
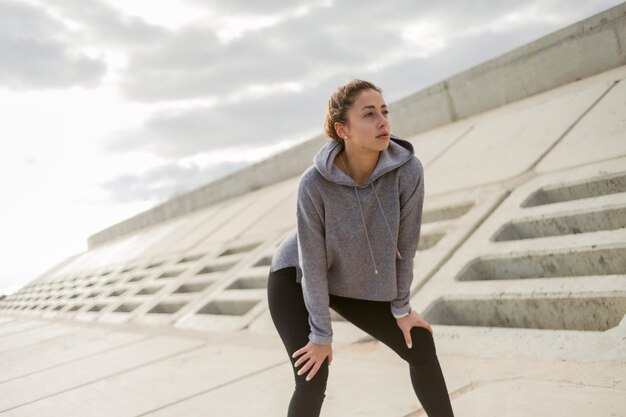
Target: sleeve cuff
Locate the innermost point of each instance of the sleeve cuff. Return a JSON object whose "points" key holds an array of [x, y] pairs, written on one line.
{"points": [[401, 312], [320, 340]]}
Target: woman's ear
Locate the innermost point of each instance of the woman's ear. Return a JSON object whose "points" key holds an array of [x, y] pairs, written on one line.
{"points": [[340, 129]]}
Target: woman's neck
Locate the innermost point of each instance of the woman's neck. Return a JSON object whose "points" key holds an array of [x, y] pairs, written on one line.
{"points": [[359, 164]]}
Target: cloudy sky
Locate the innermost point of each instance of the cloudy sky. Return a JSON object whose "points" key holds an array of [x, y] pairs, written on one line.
{"points": [[108, 107]]}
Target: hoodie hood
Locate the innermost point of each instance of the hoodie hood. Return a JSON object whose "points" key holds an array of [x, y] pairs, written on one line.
{"points": [[397, 154]]}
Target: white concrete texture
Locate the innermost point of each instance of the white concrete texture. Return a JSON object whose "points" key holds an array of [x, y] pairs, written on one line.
{"points": [[600, 135], [551, 256], [521, 267], [506, 142]]}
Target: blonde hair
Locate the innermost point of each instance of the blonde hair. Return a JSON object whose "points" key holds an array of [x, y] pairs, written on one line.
{"points": [[340, 102]]}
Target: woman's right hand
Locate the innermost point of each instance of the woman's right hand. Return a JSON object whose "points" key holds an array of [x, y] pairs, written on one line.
{"points": [[312, 356]]}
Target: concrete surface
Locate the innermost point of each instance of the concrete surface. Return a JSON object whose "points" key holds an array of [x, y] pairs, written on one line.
{"points": [[143, 371]]}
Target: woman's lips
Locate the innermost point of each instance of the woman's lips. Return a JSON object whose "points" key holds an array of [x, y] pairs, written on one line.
{"points": [[383, 136]]}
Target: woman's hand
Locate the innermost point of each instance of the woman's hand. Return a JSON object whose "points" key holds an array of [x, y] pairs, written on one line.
{"points": [[312, 356], [406, 323]]}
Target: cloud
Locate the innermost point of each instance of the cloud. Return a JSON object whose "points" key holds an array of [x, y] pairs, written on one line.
{"points": [[314, 52], [193, 63], [178, 133], [37, 52], [103, 24], [257, 6], [166, 181]]}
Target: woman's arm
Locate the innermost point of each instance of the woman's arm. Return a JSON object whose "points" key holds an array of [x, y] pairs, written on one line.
{"points": [[411, 206], [312, 255]]}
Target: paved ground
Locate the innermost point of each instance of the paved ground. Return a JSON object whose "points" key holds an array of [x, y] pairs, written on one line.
{"points": [[69, 368]]}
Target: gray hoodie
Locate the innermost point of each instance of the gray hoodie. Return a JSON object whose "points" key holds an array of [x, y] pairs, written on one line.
{"points": [[352, 240]]}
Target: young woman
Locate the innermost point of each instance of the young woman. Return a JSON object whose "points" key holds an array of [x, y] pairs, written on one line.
{"points": [[359, 213]]}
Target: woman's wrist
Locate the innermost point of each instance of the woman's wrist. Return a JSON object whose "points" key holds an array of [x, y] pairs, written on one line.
{"points": [[399, 316]]}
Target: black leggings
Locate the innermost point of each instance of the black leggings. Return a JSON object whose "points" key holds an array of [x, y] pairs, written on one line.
{"points": [[290, 317]]}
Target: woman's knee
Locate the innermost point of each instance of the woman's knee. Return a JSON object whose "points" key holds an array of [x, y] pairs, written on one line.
{"points": [[316, 385], [423, 349]]}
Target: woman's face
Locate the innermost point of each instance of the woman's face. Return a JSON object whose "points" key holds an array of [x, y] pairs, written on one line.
{"points": [[368, 125]]}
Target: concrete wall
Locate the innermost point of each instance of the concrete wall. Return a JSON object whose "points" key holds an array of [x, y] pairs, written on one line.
{"points": [[560, 58]]}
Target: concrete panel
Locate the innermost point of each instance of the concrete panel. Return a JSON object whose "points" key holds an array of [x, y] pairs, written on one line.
{"points": [[424, 110], [384, 390], [6, 320], [527, 397], [34, 335], [259, 204], [432, 144], [561, 345], [19, 325], [508, 141], [282, 217], [153, 386], [513, 81], [61, 350], [177, 240], [600, 135], [57, 391]]}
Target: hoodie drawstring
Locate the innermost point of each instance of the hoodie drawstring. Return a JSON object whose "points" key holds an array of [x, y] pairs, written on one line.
{"points": [[358, 199], [367, 237], [386, 222], [365, 227]]}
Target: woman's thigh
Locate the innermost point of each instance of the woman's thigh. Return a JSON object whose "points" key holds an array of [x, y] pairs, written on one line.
{"points": [[375, 318], [290, 316]]}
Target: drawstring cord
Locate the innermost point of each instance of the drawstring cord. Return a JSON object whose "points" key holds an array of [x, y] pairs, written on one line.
{"points": [[366, 234], [386, 222], [358, 199]]}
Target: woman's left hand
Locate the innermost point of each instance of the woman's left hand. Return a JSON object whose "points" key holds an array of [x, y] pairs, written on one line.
{"points": [[406, 323]]}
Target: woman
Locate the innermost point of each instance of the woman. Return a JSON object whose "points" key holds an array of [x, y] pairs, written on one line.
{"points": [[359, 214]]}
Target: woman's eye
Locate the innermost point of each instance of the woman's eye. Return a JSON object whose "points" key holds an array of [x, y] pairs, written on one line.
{"points": [[370, 114]]}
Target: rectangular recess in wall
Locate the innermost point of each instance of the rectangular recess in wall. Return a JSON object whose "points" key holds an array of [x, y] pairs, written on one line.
{"points": [[429, 240], [228, 307], [192, 287], [446, 213], [247, 283], [169, 274], [589, 313], [209, 269], [593, 221], [264, 261], [126, 307], [609, 261], [191, 258], [166, 308], [149, 290], [589, 189], [137, 278], [240, 249]]}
